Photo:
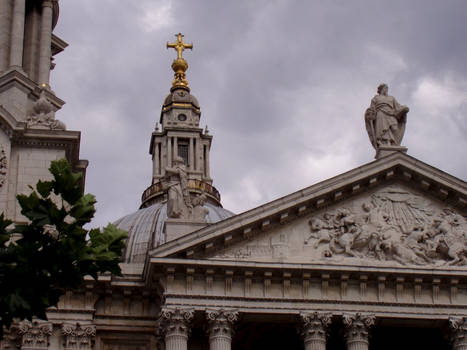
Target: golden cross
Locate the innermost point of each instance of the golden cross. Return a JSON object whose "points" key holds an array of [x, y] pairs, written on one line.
{"points": [[179, 45]]}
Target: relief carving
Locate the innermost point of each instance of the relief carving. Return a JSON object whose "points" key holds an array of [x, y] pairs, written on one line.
{"points": [[42, 115], [393, 224], [390, 225]]}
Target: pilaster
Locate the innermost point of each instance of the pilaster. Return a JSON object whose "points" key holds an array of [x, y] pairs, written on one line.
{"points": [[175, 327], [220, 328], [314, 330], [459, 332], [357, 330]]}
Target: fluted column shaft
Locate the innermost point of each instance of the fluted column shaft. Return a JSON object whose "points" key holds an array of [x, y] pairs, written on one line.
{"points": [[314, 330], [45, 43], [357, 330], [220, 328], [17, 34], [459, 332], [175, 326]]}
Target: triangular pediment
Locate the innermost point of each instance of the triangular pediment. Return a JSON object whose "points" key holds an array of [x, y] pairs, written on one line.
{"points": [[388, 225], [370, 215]]}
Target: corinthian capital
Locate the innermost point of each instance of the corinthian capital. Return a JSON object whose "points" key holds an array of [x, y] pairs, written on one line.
{"points": [[221, 322], [358, 326], [35, 334], [459, 332], [315, 324], [78, 336], [175, 321]]}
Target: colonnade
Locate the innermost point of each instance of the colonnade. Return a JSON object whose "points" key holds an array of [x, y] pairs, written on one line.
{"points": [[175, 329]]}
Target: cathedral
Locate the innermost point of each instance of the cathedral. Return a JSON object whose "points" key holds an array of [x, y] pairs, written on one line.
{"points": [[374, 258]]}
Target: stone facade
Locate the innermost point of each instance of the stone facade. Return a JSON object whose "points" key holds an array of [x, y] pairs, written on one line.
{"points": [[30, 135], [349, 262]]}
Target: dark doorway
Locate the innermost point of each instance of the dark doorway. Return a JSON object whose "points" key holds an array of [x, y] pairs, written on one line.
{"points": [[273, 336], [408, 338]]}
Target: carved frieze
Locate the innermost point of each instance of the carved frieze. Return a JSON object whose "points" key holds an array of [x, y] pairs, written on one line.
{"points": [[387, 226]]}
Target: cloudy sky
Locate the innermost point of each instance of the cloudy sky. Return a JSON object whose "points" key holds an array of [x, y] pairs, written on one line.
{"points": [[283, 86]]}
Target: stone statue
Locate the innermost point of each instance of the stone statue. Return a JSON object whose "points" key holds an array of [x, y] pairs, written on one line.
{"points": [[42, 115], [385, 119], [178, 202], [199, 212]]}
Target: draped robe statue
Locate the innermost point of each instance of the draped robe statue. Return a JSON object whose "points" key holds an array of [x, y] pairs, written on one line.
{"points": [[385, 119]]}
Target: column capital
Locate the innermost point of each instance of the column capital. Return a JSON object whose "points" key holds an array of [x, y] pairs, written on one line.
{"points": [[35, 334], [221, 322], [315, 324], [175, 321], [458, 327], [78, 336], [358, 326]]}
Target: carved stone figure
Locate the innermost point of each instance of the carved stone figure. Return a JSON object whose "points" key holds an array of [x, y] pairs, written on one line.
{"points": [[393, 225], [199, 212], [385, 119], [178, 202], [42, 115]]}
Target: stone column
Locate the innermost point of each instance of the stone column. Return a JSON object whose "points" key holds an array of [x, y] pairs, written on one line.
{"points": [[45, 53], [35, 335], [357, 330], [175, 327], [314, 329], [459, 332], [17, 35], [207, 170], [78, 337], [220, 328]]}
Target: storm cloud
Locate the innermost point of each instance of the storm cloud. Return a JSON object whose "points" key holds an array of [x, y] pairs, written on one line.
{"points": [[283, 86]]}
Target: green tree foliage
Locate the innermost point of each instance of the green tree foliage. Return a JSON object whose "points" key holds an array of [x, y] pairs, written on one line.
{"points": [[40, 260]]}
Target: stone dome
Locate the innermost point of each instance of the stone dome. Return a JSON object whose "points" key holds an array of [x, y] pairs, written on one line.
{"points": [[145, 228]]}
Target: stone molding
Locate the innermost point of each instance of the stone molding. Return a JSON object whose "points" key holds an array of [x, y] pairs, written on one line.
{"points": [[458, 327], [78, 336], [314, 329], [35, 334], [357, 329]]}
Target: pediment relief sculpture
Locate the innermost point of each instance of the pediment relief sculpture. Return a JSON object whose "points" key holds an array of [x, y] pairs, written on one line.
{"points": [[390, 226]]}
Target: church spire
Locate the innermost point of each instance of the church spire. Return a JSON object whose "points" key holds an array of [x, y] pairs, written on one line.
{"points": [[179, 65]]}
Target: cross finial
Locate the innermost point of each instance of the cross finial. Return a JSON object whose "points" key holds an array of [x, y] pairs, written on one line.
{"points": [[179, 45]]}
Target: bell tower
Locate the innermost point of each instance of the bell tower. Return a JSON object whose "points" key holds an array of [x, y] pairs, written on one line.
{"points": [[180, 138], [30, 135]]}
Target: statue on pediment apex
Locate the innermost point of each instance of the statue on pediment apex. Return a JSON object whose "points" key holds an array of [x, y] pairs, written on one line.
{"points": [[385, 119]]}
